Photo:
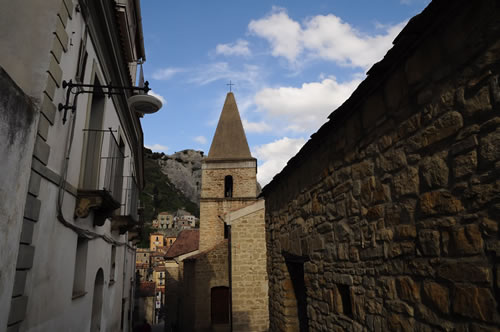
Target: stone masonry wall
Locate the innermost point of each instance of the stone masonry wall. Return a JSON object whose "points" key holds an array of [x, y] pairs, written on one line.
{"points": [[244, 182], [396, 212], [213, 204], [249, 275], [203, 272], [211, 225]]}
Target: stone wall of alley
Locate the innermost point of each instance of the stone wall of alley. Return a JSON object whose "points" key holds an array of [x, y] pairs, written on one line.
{"points": [[248, 269], [393, 206]]}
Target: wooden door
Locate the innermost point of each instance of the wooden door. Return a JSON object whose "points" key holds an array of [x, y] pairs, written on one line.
{"points": [[220, 305]]}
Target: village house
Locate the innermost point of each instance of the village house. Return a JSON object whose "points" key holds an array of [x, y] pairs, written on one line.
{"points": [[72, 163], [185, 246]]}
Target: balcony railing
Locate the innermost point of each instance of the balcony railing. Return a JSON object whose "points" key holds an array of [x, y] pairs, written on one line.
{"points": [[102, 178], [103, 168], [130, 202]]}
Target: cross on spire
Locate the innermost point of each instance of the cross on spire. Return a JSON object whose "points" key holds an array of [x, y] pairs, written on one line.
{"points": [[230, 85]]}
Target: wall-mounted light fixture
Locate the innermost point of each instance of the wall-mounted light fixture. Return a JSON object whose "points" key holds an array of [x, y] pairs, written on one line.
{"points": [[141, 103]]}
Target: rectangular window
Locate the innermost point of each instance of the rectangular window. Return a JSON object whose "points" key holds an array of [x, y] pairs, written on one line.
{"points": [[80, 267], [345, 295]]}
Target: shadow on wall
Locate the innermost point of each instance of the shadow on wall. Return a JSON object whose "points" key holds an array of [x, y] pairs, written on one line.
{"points": [[204, 291], [241, 321], [172, 301]]}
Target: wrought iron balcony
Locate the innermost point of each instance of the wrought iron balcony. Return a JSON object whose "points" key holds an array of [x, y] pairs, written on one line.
{"points": [[127, 217], [101, 182]]}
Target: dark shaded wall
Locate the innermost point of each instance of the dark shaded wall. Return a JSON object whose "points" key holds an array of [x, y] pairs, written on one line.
{"points": [[18, 124], [393, 206]]}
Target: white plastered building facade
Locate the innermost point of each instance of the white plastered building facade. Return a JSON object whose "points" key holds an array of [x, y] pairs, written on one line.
{"points": [[68, 254]]}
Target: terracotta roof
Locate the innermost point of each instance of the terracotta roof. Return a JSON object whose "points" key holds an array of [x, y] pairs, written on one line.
{"points": [[418, 29], [147, 288], [187, 241], [195, 257], [229, 141]]}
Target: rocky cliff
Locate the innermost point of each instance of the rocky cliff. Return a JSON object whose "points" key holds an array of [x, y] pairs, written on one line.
{"points": [[184, 171]]}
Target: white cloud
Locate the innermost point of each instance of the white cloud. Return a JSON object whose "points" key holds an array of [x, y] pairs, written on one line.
{"points": [[238, 48], [221, 71], [304, 109], [323, 36], [166, 73], [154, 94], [200, 139], [157, 147], [283, 33], [256, 127], [274, 156]]}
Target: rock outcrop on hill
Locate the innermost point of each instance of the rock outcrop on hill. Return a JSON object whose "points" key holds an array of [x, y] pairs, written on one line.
{"points": [[183, 168]]}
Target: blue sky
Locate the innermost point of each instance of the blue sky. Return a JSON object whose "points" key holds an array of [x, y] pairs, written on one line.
{"points": [[292, 62]]}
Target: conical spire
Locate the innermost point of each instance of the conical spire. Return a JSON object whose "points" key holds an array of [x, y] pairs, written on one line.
{"points": [[229, 141]]}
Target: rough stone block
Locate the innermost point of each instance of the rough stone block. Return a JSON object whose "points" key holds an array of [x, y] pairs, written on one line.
{"points": [[464, 165], [464, 272], [438, 295], [410, 126], [474, 302], [25, 257], [362, 170], [406, 182], [467, 240], [408, 289], [478, 103], [400, 307], [489, 150], [41, 151], [17, 309], [434, 172], [32, 208], [464, 145], [406, 232], [429, 242], [442, 128], [392, 160], [439, 202]]}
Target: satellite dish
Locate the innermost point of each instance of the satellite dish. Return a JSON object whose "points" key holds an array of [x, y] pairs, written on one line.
{"points": [[144, 104]]}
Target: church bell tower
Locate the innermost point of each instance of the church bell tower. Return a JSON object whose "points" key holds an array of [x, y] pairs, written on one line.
{"points": [[228, 178]]}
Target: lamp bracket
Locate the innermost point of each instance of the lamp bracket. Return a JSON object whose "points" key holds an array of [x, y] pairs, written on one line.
{"points": [[110, 90]]}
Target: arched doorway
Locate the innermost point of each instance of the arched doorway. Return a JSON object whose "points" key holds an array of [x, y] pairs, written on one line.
{"points": [[95, 323]]}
